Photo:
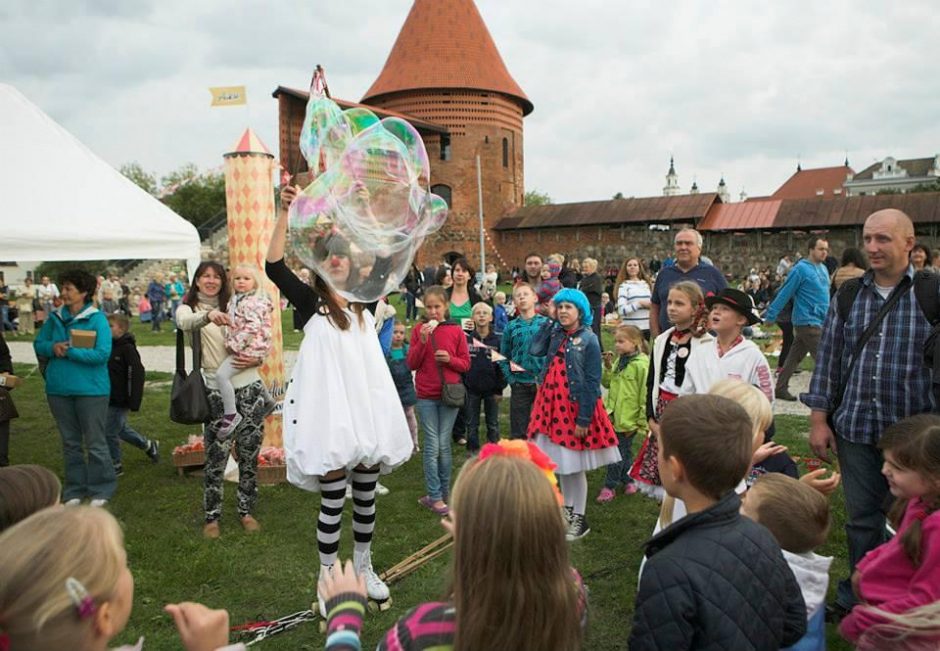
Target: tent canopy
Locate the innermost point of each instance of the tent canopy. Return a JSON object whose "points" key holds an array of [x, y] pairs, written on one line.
{"points": [[84, 209]]}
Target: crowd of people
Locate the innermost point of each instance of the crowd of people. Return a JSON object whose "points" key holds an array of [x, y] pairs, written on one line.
{"points": [[686, 419]]}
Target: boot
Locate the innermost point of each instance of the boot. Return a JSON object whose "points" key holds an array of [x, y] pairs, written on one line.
{"points": [[375, 587]]}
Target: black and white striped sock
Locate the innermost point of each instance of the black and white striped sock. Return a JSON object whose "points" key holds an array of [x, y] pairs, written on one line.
{"points": [[364, 507], [332, 499]]}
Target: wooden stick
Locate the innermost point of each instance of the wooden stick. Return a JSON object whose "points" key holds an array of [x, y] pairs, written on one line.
{"points": [[416, 560]]}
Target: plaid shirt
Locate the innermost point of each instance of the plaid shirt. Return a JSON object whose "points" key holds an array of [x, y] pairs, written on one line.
{"points": [[889, 382]]}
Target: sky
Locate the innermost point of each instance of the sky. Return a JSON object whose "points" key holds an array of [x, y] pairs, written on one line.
{"points": [[737, 89]]}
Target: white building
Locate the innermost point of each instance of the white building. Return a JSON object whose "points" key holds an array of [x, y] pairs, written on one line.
{"points": [[893, 174]]}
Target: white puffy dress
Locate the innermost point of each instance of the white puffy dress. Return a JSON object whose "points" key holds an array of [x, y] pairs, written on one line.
{"points": [[341, 408]]}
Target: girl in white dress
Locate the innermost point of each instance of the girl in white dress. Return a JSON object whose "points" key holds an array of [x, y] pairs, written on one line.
{"points": [[341, 412]]}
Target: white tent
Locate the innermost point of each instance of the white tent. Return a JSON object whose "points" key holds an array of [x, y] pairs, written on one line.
{"points": [[59, 201]]}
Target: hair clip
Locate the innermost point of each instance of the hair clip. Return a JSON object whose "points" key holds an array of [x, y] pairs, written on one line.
{"points": [[525, 450], [82, 601]]}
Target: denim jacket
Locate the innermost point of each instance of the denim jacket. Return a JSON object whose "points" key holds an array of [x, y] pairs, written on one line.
{"points": [[582, 364]]}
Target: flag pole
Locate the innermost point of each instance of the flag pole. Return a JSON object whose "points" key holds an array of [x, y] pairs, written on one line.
{"points": [[480, 205]]}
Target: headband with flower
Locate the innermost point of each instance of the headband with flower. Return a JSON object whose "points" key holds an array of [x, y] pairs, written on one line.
{"points": [[525, 450]]}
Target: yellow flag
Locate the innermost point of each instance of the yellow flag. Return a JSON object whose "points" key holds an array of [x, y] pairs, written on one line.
{"points": [[228, 95]]}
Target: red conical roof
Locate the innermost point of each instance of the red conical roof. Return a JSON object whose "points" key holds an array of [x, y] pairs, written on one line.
{"points": [[250, 143], [445, 44]]}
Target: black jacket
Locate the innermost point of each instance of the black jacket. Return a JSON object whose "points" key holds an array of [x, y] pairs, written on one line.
{"points": [[593, 287], [126, 372], [484, 377], [716, 580]]}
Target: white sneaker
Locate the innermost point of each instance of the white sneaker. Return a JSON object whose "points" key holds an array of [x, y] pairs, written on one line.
{"points": [[321, 602], [380, 489], [99, 502], [375, 587], [74, 502]]}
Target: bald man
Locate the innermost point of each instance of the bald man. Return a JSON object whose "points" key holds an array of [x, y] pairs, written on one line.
{"points": [[887, 382]]}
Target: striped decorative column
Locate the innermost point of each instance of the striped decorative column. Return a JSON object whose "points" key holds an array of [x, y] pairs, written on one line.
{"points": [[249, 202]]}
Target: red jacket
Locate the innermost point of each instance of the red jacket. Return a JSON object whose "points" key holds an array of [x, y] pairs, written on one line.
{"points": [[447, 336]]}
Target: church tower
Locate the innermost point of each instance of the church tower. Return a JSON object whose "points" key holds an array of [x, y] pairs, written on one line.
{"points": [[723, 192], [444, 68], [671, 188]]}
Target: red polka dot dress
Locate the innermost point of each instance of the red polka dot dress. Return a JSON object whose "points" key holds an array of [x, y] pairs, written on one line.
{"points": [[552, 425]]}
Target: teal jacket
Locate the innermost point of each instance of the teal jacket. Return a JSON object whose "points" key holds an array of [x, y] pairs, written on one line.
{"points": [[83, 371], [514, 346], [626, 400]]}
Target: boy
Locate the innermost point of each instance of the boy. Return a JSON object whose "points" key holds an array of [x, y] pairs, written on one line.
{"points": [[520, 368], [729, 355], [798, 517], [714, 579], [484, 380], [500, 315], [127, 390]]}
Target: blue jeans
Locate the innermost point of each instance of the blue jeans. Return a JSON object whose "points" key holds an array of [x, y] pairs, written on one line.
{"points": [[5, 323], [118, 430], [618, 474], [411, 310], [89, 471], [156, 311], [437, 421], [472, 415], [866, 495]]}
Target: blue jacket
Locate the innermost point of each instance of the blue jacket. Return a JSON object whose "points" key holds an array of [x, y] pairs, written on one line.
{"points": [[83, 371], [401, 376], [808, 285], [500, 318], [582, 364]]}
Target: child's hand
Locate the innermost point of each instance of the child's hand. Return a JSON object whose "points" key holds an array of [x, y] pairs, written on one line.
{"points": [[856, 578], [427, 330], [442, 356], [766, 451], [824, 486], [342, 580], [608, 358], [200, 628], [581, 431]]}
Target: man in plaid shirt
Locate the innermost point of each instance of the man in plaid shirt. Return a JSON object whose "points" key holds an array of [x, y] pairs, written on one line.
{"points": [[888, 383]]}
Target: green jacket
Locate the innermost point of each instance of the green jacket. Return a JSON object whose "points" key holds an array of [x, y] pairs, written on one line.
{"points": [[626, 400]]}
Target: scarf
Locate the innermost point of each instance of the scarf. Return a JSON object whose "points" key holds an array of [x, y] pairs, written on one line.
{"points": [[207, 303]]}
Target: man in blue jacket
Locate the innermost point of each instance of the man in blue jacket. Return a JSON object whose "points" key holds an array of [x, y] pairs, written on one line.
{"points": [[808, 285]]}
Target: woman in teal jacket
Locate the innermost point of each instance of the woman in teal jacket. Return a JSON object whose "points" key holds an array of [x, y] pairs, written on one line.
{"points": [[78, 388]]}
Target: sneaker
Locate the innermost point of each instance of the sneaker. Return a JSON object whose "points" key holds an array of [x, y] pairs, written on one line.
{"points": [[118, 470], [321, 602], [211, 530], [74, 502], [606, 495], [630, 488], [228, 425], [566, 513], [99, 502], [380, 489], [250, 524], [153, 451], [461, 441], [579, 527], [375, 587]]}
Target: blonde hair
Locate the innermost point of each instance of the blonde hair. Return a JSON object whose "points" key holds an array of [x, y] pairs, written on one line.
{"points": [[512, 584], [39, 554], [589, 262], [521, 286], [499, 296], [256, 274], [634, 334], [556, 257], [481, 307], [796, 514], [913, 630]]}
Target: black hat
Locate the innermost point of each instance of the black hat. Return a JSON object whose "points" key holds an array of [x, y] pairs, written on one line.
{"points": [[737, 301]]}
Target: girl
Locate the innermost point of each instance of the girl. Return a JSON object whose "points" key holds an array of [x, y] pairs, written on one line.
{"points": [[438, 354], [248, 335], [341, 412], [904, 573], [65, 586], [685, 308], [633, 295], [568, 418], [625, 403], [404, 382], [512, 586]]}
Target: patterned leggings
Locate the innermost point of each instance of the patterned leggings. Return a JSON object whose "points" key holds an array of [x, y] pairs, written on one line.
{"points": [[250, 403]]}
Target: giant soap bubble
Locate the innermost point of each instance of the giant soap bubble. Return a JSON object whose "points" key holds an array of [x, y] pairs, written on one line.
{"points": [[360, 222]]}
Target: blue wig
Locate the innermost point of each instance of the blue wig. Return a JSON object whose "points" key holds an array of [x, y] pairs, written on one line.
{"points": [[577, 298]]}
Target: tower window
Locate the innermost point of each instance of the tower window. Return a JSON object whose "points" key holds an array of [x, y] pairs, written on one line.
{"points": [[445, 147], [505, 152], [443, 191]]}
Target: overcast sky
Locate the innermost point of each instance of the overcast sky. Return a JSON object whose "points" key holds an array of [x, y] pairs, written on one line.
{"points": [[740, 89]]}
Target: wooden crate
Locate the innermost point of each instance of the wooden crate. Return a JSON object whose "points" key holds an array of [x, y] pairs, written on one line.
{"points": [[189, 461], [270, 475]]}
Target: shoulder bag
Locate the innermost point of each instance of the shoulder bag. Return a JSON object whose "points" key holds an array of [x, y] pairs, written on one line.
{"points": [[452, 395], [189, 404]]}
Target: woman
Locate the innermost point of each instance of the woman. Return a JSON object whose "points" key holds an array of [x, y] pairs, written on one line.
{"points": [[156, 294], [593, 287], [633, 295], [25, 302], [78, 387], [853, 265], [921, 257], [203, 312], [462, 295]]}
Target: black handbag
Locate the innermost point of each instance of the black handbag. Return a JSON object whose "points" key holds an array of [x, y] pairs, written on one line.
{"points": [[189, 403], [7, 407], [452, 395]]}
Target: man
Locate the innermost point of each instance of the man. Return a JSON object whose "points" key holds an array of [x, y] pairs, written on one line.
{"points": [[887, 382], [807, 285], [688, 266], [47, 292], [532, 274]]}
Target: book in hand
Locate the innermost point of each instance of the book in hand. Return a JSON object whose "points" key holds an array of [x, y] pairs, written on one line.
{"points": [[82, 338]]}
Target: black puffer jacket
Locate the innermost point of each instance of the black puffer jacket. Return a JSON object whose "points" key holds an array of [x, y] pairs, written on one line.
{"points": [[126, 372], [716, 580]]}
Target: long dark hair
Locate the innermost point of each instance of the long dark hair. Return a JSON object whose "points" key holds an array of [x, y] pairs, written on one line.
{"points": [[334, 312], [192, 296]]}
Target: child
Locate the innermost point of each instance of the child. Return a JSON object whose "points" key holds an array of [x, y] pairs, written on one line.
{"points": [[798, 517], [568, 418], [500, 315], [512, 586], [710, 574], [729, 354], [550, 284], [127, 390], [65, 586], [904, 573], [439, 354], [248, 335], [484, 380], [404, 383], [685, 308], [625, 403], [25, 489], [520, 367]]}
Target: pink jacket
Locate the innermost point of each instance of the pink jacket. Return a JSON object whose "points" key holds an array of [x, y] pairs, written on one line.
{"points": [[250, 332], [889, 581]]}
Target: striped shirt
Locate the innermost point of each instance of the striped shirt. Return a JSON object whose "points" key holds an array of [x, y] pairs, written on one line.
{"points": [[629, 295], [889, 382]]}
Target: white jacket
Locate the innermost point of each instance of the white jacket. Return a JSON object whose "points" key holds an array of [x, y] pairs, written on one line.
{"points": [[744, 362]]}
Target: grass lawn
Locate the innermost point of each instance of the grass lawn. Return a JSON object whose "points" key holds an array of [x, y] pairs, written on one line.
{"points": [[273, 573]]}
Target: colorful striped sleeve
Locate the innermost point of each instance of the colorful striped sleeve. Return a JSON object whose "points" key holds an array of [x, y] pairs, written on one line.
{"points": [[345, 613]]}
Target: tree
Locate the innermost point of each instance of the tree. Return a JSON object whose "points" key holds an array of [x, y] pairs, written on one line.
{"points": [[619, 195], [536, 198], [199, 198], [144, 179]]}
